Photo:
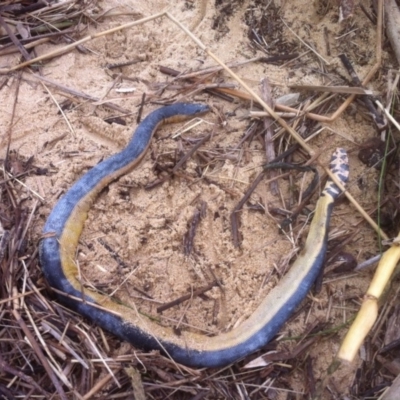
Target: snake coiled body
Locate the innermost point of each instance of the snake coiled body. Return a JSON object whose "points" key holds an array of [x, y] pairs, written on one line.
{"points": [[64, 226]]}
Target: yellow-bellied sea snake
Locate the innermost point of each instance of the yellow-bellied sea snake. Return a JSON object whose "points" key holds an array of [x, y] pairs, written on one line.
{"points": [[64, 226]]}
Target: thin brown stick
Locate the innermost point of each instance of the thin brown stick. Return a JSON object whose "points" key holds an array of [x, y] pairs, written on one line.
{"points": [[268, 134], [142, 102], [10, 125], [334, 89], [208, 89], [5, 238], [98, 386], [191, 233], [14, 39], [72, 46], [77, 93], [185, 297], [236, 64]]}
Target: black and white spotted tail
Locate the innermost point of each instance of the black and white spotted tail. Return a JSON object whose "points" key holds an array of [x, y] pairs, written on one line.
{"points": [[339, 166]]}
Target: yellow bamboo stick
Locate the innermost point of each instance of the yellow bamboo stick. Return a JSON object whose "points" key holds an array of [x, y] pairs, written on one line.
{"points": [[368, 313]]}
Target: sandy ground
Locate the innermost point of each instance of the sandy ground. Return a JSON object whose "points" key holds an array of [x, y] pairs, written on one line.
{"points": [[146, 228]]}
